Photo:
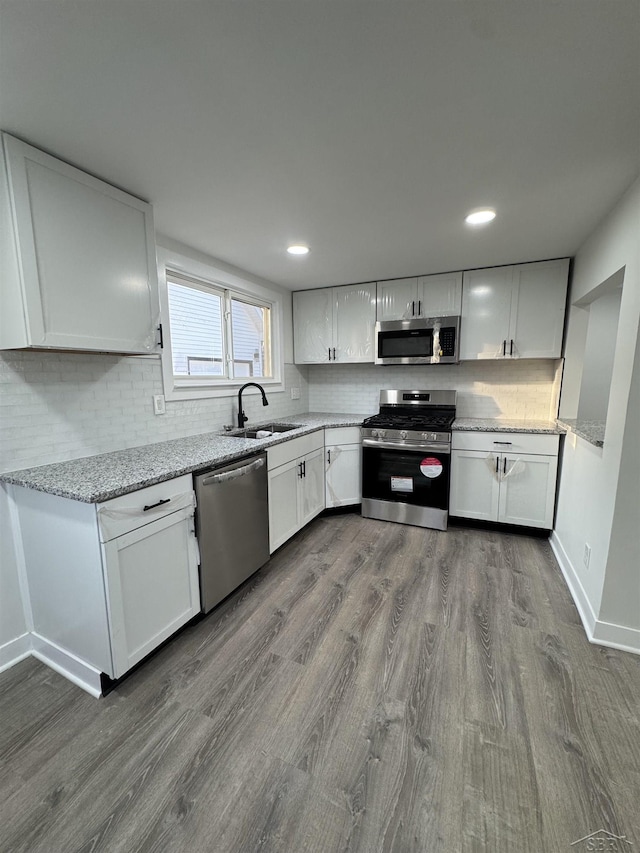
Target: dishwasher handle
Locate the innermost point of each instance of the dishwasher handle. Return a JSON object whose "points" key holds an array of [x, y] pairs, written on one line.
{"points": [[233, 475]]}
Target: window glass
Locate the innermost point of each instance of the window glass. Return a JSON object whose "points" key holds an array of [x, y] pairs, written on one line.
{"points": [[197, 339], [250, 325]]}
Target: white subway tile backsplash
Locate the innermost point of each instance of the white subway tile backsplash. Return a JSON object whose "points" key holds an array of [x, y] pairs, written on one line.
{"points": [[486, 389], [57, 406]]}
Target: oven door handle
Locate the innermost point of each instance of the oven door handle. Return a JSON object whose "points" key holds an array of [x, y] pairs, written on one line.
{"points": [[432, 446]]}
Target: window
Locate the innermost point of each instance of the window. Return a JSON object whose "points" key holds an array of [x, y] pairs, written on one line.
{"points": [[217, 334], [219, 331]]}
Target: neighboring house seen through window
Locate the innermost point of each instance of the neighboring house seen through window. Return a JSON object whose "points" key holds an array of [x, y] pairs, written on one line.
{"points": [[217, 334]]}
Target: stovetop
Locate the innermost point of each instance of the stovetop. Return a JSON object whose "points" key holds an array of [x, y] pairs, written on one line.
{"points": [[414, 421]]}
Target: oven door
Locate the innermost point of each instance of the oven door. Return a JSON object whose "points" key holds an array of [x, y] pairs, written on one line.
{"points": [[406, 483]]}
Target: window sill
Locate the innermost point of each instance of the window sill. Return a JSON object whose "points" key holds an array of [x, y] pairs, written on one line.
{"points": [[188, 392]]}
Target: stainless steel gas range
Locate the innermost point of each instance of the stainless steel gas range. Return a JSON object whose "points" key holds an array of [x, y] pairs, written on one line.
{"points": [[406, 458]]}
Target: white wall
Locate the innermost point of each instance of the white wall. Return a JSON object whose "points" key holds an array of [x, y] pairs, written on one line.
{"points": [[486, 389], [12, 616], [599, 353], [590, 476]]}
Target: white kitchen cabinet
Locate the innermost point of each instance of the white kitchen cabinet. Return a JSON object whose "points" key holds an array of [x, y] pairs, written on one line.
{"points": [[343, 464], [151, 575], [426, 296], [108, 582], [494, 478], [514, 311], [313, 325], [78, 259], [334, 324], [296, 485]]}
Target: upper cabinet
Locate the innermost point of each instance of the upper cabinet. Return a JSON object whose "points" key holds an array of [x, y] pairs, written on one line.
{"points": [[334, 324], [426, 296], [78, 267], [514, 312]]}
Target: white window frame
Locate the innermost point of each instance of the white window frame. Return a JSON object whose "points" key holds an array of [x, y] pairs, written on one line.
{"points": [[213, 278]]}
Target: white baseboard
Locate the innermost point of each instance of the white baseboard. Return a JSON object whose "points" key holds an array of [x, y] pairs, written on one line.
{"points": [[598, 632], [14, 651], [78, 671], [617, 637], [576, 589]]}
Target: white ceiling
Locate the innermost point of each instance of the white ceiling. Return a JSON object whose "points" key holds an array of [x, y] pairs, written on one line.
{"points": [[367, 129]]}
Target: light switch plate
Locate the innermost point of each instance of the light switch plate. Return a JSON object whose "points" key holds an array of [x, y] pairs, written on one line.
{"points": [[159, 406], [295, 393]]}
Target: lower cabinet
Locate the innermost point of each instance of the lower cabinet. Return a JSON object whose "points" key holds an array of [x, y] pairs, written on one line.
{"points": [[296, 485], [343, 466], [151, 576], [504, 477], [108, 582]]}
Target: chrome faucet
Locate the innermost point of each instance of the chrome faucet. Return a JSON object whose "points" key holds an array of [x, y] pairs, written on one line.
{"points": [[242, 418]]}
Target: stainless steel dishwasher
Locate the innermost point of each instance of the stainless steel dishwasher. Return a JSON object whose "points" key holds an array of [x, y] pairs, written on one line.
{"points": [[232, 523]]}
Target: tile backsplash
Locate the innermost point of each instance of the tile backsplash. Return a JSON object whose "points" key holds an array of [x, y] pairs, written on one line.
{"points": [[486, 389], [57, 406]]}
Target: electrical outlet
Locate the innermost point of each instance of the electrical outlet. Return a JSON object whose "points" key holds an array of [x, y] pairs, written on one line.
{"points": [[295, 393], [586, 557], [159, 406]]}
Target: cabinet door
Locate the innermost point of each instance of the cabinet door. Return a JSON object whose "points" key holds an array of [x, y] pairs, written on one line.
{"points": [[343, 475], [397, 299], [474, 484], [283, 503], [440, 295], [86, 255], [311, 487], [537, 317], [486, 313], [152, 586], [355, 319], [313, 325], [527, 490]]}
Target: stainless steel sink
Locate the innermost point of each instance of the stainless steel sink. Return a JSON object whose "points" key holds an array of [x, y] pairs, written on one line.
{"points": [[253, 433]]}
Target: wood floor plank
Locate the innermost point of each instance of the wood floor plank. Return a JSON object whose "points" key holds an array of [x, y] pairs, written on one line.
{"points": [[375, 688]]}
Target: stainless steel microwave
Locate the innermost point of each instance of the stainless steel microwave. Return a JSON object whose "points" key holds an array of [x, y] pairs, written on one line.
{"points": [[431, 340]]}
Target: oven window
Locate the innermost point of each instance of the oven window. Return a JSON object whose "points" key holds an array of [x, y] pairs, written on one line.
{"points": [[419, 477], [401, 344]]}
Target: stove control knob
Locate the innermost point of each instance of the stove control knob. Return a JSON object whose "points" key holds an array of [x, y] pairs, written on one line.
{"points": [[403, 433], [374, 433], [426, 436], [382, 433]]}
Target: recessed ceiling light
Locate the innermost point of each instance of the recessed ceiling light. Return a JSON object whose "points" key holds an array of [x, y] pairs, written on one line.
{"points": [[480, 217], [298, 250]]}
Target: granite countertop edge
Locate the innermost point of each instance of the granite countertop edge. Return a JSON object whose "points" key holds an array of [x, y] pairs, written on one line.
{"points": [[532, 427], [94, 479], [590, 431]]}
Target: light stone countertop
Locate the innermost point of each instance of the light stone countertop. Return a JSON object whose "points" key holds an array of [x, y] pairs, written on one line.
{"points": [[93, 479], [591, 431], [495, 425]]}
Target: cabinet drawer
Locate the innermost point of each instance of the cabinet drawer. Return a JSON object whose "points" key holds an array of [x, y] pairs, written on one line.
{"points": [[342, 435], [506, 442], [127, 512], [294, 449]]}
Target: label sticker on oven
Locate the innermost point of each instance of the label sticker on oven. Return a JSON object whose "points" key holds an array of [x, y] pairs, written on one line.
{"points": [[431, 467], [401, 484]]}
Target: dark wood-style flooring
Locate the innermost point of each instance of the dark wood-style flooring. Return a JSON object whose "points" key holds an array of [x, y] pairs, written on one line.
{"points": [[375, 688]]}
